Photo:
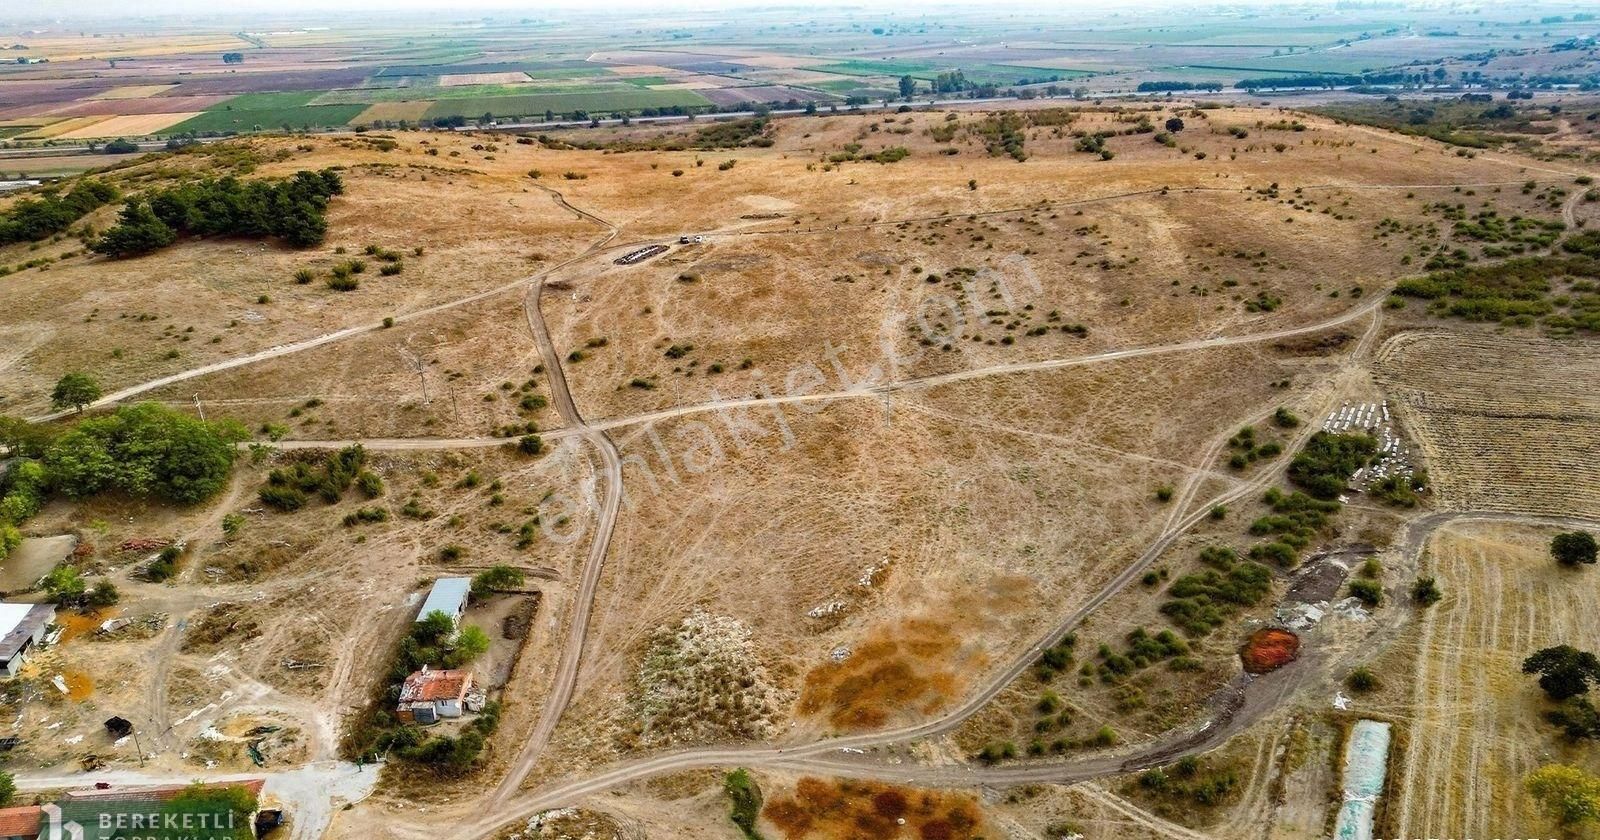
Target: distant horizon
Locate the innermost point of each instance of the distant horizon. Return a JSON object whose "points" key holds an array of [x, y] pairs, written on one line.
{"points": [[44, 10]]}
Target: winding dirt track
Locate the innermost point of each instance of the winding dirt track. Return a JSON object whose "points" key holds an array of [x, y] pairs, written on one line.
{"points": [[879, 390], [505, 804], [566, 675], [1258, 697]]}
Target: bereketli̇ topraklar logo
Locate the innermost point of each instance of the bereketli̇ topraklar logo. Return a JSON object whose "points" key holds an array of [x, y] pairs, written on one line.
{"points": [[141, 820]]}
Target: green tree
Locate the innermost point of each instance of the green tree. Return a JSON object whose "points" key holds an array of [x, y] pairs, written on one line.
{"points": [[144, 450], [138, 231], [8, 788], [1174, 125], [471, 643], [1574, 548], [1564, 671], [908, 87], [74, 390], [65, 586], [496, 578], [23, 438], [1570, 795]]}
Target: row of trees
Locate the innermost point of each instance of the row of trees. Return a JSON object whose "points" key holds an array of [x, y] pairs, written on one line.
{"points": [[292, 209], [34, 219]]}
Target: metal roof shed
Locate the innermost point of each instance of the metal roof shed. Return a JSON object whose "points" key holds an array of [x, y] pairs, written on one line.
{"points": [[21, 627], [449, 596]]}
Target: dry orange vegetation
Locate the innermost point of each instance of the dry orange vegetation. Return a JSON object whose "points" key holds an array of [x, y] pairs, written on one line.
{"points": [[910, 667], [843, 810]]}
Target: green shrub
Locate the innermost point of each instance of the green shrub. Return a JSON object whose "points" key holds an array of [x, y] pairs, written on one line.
{"points": [[744, 802], [1362, 680], [1369, 592], [1328, 460]]}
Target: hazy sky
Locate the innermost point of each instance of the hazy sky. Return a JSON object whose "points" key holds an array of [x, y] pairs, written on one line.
{"points": [[66, 9]]}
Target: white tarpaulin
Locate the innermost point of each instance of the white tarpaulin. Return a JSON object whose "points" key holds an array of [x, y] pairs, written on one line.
{"points": [[1366, 758]]}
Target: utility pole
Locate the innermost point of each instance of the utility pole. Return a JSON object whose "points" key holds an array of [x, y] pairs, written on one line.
{"points": [[420, 365], [200, 408]]}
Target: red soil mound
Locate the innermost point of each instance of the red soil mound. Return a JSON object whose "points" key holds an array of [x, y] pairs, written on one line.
{"points": [[1269, 650]]}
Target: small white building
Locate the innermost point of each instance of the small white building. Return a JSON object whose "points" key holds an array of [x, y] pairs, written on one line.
{"points": [[22, 626], [449, 596]]}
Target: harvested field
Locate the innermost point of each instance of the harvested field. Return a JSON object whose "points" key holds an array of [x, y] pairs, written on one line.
{"points": [[1476, 728], [62, 128], [134, 91], [506, 78], [1506, 421], [392, 112], [138, 125]]}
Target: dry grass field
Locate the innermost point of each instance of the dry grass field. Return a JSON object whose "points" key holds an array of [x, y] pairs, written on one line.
{"points": [[1507, 421], [132, 125], [1474, 720], [886, 425]]}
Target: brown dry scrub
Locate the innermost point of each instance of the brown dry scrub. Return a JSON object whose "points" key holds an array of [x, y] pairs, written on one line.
{"points": [[873, 811], [907, 665]]}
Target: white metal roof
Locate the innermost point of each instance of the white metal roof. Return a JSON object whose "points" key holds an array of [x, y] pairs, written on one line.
{"points": [[11, 615], [18, 623], [449, 596]]}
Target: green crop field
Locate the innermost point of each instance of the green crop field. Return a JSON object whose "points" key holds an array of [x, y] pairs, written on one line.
{"points": [[980, 73], [372, 96], [268, 112], [564, 103], [840, 85], [888, 67]]}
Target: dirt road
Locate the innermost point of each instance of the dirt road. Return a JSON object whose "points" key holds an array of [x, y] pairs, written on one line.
{"points": [[1256, 697], [566, 676]]}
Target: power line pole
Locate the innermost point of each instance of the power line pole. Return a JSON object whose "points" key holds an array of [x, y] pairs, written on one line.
{"points": [[417, 363], [200, 408]]}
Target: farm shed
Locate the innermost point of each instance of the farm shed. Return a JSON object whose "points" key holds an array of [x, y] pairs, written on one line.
{"points": [[22, 627], [427, 695], [449, 596]]}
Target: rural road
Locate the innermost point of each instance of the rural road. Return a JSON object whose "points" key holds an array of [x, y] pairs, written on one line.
{"points": [[566, 676], [506, 803], [1259, 696]]}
